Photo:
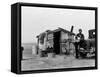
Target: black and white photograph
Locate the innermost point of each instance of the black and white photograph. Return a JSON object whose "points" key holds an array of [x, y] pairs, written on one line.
{"points": [[57, 38]]}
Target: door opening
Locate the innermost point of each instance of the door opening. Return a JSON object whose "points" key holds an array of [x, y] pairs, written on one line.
{"points": [[57, 42]]}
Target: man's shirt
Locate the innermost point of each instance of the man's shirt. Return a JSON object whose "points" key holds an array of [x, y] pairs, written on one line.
{"points": [[80, 36]]}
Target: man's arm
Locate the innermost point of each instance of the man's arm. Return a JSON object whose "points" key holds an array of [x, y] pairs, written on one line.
{"points": [[83, 36]]}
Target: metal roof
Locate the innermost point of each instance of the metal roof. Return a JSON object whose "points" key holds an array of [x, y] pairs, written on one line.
{"points": [[61, 29], [56, 30]]}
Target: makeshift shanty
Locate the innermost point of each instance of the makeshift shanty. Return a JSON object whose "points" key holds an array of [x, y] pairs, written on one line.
{"points": [[58, 41]]}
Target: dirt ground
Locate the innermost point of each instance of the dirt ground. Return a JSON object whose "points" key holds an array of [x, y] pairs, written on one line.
{"points": [[34, 62]]}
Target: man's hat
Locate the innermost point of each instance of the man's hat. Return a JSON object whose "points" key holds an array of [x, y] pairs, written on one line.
{"points": [[80, 29]]}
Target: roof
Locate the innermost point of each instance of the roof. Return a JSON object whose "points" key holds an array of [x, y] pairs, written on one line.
{"points": [[56, 30], [93, 30], [66, 31], [43, 34]]}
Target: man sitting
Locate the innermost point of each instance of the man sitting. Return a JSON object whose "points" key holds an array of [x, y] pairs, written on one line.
{"points": [[80, 43]]}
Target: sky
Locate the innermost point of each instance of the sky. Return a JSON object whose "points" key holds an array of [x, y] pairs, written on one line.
{"points": [[36, 20]]}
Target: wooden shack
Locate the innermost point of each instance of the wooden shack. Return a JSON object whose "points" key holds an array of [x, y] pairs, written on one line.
{"points": [[57, 41]]}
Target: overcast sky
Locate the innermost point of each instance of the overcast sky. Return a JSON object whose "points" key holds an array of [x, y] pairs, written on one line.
{"points": [[37, 19]]}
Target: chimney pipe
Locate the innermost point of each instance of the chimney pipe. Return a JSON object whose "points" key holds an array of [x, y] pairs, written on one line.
{"points": [[72, 28]]}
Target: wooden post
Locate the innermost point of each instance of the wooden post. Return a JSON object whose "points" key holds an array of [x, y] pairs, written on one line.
{"points": [[37, 46]]}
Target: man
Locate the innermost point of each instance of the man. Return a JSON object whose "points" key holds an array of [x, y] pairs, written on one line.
{"points": [[80, 42]]}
